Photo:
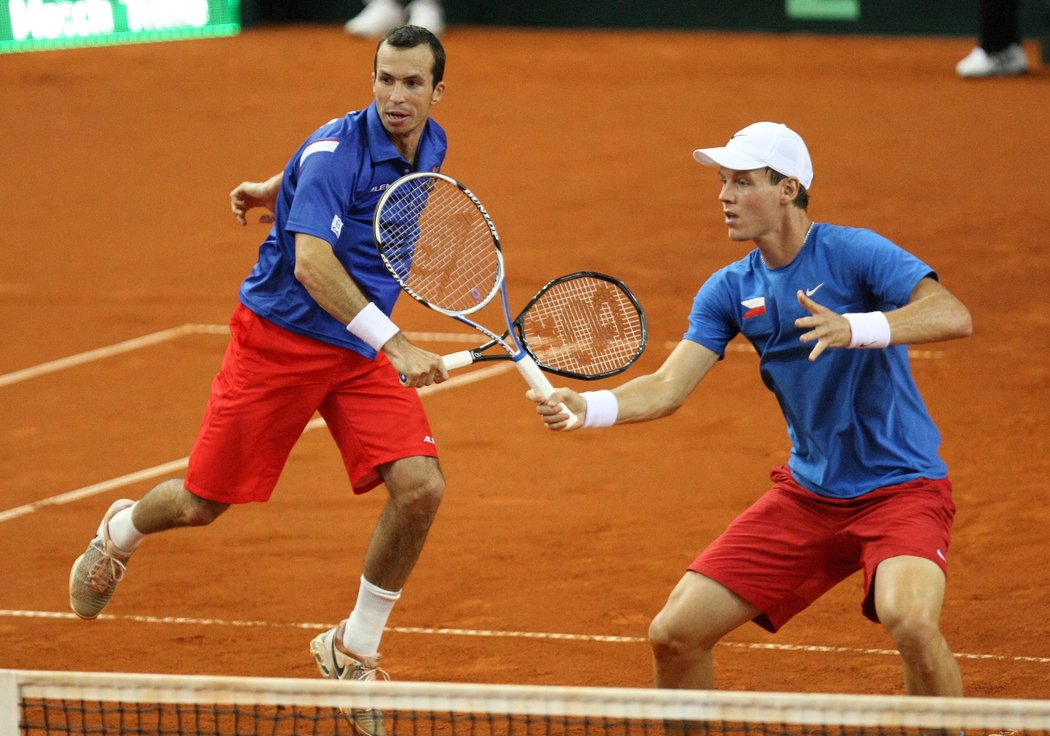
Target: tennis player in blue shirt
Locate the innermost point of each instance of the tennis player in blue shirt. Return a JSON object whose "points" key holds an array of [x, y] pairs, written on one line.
{"points": [[312, 333], [830, 311]]}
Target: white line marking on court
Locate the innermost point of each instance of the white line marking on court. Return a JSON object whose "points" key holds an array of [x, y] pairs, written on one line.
{"points": [[137, 343], [443, 631], [746, 347], [125, 480], [90, 356], [175, 466], [443, 337]]}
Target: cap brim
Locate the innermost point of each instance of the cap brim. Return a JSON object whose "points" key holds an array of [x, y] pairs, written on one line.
{"points": [[728, 158]]}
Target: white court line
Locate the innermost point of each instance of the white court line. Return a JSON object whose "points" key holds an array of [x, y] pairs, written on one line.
{"points": [[489, 633], [746, 347], [174, 466], [137, 343], [196, 329]]}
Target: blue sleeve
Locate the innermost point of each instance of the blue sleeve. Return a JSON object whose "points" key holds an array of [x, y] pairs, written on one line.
{"points": [[325, 181], [711, 321], [887, 272]]}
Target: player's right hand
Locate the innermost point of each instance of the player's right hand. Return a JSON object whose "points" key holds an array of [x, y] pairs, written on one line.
{"points": [[416, 367], [553, 410]]}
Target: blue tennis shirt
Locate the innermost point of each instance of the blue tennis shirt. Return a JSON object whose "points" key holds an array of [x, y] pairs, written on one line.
{"points": [[854, 416], [330, 190]]}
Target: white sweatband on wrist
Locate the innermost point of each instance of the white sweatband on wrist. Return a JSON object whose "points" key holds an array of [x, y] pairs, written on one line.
{"points": [[372, 326], [602, 408], [870, 329]]}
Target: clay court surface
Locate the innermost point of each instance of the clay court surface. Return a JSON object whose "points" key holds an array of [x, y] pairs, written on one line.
{"points": [[551, 552]]}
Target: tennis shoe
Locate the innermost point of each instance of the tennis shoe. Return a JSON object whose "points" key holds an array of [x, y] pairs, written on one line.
{"points": [[378, 17], [1011, 61], [336, 662], [95, 574], [427, 14]]}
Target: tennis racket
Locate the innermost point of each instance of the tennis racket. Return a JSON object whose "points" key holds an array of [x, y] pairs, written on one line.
{"points": [[584, 325], [440, 245]]}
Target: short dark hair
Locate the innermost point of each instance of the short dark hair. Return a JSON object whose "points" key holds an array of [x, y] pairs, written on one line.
{"points": [[408, 37], [801, 199]]}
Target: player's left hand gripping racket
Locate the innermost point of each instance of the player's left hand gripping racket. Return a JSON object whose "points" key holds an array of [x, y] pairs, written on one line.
{"points": [[442, 247]]}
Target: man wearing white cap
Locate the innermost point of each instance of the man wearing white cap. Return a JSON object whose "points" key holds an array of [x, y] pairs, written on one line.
{"points": [[830, 311]]}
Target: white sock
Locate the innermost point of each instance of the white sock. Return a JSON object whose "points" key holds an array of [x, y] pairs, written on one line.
{"points": [[122, 531], [365, 626]]}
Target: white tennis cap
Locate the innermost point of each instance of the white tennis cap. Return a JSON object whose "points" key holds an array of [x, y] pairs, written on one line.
{"points": [[760, 145]]}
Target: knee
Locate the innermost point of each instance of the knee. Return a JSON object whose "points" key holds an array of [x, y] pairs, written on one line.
{"points": [[668, 641], [661, 639], [422, 496], [916, 633]]}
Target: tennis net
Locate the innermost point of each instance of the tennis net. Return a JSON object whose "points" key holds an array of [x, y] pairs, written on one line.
{"points": [[39, 703]]}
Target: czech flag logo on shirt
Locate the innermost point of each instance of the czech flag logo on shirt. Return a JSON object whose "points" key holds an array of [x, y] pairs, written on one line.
{"points": [[756, 307]]}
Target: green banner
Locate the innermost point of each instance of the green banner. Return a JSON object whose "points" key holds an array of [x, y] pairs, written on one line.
{"points": [[823, 9], [34, 25]]}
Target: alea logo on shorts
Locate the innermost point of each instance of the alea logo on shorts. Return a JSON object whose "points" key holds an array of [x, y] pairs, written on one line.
{"points": [[430, 439]]}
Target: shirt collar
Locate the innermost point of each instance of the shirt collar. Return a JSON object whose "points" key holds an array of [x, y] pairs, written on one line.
{"points": [[382, 148]]}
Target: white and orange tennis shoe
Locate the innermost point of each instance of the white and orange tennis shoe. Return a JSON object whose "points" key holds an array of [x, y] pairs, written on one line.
{"points": [[95, 574], [336, 662]]}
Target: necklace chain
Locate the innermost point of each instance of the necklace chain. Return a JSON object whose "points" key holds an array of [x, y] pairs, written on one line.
{"points": [[766, 264]]}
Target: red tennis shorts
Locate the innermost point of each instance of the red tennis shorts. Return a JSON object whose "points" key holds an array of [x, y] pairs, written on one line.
{"points": [[792, 546], [271, 383]]}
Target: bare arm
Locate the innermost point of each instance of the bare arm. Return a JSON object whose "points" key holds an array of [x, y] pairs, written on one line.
{"points": [[932, 313], [641, 399], [321, 273]]}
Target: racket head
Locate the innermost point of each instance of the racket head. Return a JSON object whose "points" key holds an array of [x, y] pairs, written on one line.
{"points": [[584, 325], [439, 243]]}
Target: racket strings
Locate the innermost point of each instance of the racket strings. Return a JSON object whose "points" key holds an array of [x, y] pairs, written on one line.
{"points": [[584, 325], [439, 245]]}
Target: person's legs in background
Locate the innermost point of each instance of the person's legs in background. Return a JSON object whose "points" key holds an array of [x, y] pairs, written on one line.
{"points": [[999, 52], [380, 16]]}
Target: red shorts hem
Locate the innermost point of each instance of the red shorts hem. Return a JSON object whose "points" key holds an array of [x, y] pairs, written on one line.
{"points": [[368, 479]]}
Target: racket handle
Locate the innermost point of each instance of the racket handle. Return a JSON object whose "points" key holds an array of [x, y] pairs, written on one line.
{"points": [[461, 359], [539, 382]]}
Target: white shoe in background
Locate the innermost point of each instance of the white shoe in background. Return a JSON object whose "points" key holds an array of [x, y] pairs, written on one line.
{"points": [[378, 17], [979, 63], [428, 14]]}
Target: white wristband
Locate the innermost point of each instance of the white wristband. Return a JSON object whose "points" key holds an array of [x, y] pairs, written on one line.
{"points": [[870, 329], [372, 326], [602, 408]]}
